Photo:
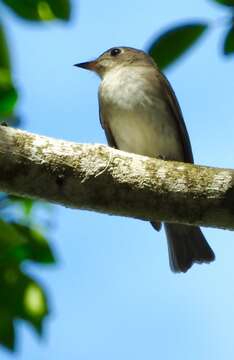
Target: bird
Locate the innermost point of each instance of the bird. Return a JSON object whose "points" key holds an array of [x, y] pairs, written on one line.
{"points": [[140, 113]]}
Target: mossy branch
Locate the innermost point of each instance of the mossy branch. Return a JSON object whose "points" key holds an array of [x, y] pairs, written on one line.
{"points": [[99, 178]]}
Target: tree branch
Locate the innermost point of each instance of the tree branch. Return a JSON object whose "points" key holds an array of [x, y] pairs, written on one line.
{"points": [[99, 178]]}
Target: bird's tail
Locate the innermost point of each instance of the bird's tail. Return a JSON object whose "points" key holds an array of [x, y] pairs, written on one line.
{"points": [[186, 246]]}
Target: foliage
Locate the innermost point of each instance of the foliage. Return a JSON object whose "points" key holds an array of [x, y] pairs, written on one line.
{"points": [[170, 45], [173, 43], [29, 10], [225, 2], [22, 296], [229, 42], [8, 94], [40, 10]]}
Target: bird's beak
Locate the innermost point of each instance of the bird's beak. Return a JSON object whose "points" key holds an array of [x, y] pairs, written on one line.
{"points": [[89, 65]]}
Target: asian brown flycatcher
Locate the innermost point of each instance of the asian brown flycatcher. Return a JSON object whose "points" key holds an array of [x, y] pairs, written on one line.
{"points": [[139, 113]]}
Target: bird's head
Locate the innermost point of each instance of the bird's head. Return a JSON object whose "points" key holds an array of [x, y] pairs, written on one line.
{"points": [[116, 57]]}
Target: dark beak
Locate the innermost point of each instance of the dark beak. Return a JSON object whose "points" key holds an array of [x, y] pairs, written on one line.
{"points": [[89, 65]]}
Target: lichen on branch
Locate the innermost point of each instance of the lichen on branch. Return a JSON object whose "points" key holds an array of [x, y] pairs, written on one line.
{"points": [[103, 179]]}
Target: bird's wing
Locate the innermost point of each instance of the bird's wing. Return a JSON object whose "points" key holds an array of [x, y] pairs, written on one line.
{"points": [[177, 114], [103, 120]]}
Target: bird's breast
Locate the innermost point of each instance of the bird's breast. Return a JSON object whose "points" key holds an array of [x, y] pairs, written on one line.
{"points": [[128, 88], [138, 117]]}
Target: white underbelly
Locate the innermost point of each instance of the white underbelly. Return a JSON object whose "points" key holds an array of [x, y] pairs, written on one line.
{"points": [[144, 135]]}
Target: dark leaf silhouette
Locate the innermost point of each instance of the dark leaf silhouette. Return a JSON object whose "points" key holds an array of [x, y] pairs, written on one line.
{"points": [[225, 2], [38, 10], [170, 45], [229, 42], [21, 298]]}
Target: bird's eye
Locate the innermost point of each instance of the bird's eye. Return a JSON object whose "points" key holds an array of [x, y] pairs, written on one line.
{"points": [[115, 52]]}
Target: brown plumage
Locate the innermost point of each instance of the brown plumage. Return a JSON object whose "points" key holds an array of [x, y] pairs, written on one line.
{"points": [[139, 113]]}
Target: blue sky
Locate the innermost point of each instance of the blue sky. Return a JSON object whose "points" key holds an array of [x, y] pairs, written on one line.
{"points": [[112, 293]]}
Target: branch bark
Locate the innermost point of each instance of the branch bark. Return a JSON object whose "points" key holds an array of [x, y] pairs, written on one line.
{"points": [[99, 178]]}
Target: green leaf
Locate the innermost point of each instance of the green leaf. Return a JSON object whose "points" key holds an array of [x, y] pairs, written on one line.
{"points": [[35, 247], [4, 52], [26, 9], [225, 2], [229, 42], [10, 238], [170, 45], [8, 94], [7, 331], [39, 10], [21, 298], [20, 242], [61, 8], [8, 100], [32, 304], [25, 203]]}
